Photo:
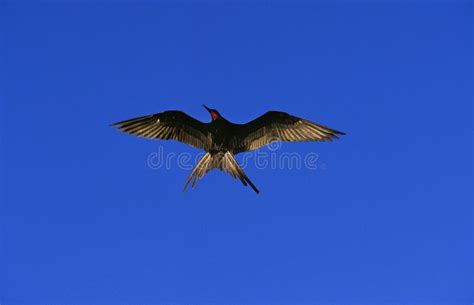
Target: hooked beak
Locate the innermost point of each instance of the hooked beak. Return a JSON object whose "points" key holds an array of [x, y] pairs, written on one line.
{"points": [[208, 109]]}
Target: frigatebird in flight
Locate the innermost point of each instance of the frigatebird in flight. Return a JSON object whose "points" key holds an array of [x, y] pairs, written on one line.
{"points": [[222, 139]]}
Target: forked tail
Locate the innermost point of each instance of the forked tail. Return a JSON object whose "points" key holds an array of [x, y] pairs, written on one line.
{"points": [[223, 161]]}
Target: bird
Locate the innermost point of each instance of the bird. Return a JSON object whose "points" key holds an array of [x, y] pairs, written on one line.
{"points": [[222, 140]]}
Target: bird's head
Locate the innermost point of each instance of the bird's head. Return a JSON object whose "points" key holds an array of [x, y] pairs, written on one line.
{"points": [[215, 115]]}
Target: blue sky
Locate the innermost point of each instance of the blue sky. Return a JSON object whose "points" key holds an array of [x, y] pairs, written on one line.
{"points": [[386, 218]]}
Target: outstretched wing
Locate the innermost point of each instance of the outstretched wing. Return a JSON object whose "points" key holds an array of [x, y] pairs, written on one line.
{"points": [[168, 125], [280, 126]]}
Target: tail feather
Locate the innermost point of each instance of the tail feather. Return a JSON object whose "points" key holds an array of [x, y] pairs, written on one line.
{"points": [[223, 161], [198, 170]]}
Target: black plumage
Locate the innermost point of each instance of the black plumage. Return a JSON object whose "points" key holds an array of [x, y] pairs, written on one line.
{"points": [[222, 139]]}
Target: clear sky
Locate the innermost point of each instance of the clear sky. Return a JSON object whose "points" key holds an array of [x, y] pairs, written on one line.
{"points": [[385, 218]]}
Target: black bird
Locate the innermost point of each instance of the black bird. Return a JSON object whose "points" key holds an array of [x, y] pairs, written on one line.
{"points": [[222, 139]]}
